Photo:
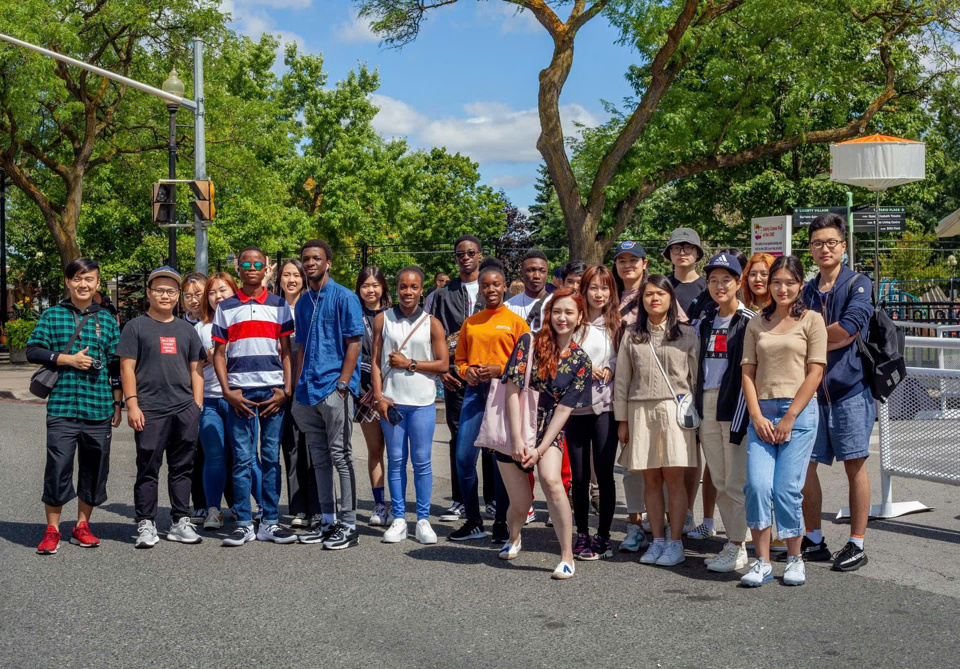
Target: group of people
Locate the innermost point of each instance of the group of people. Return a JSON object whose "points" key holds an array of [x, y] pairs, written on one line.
{"points": [[738, 360]]}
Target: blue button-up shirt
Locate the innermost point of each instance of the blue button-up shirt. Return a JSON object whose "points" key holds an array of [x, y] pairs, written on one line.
{"points": [[325, 319]]}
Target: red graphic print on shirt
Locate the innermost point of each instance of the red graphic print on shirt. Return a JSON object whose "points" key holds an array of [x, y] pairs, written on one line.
{"points": [[168, 345]]}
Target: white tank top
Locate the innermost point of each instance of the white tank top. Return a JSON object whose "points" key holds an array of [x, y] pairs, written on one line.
{"points": [[402, 386]]}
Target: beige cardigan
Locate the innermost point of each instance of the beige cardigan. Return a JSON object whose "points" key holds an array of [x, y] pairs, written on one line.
{"points": [[638, 377]]}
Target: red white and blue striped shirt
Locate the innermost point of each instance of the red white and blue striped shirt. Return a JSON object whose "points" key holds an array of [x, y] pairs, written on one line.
{"points": [[251, 328]]}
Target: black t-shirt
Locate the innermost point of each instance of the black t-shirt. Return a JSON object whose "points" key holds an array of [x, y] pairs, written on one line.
{"points": [[163, 352], [687, 292]]}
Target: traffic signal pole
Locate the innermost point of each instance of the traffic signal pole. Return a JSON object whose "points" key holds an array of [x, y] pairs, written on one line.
{"points": [[172, 174], [200, 153]]}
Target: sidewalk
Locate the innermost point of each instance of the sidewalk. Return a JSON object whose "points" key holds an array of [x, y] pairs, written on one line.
{"points": [[15, 383]]}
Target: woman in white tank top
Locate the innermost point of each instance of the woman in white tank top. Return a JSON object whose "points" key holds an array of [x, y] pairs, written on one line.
{"points": [[409, 350]]}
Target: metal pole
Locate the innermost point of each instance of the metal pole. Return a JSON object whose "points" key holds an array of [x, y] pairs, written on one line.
{"points": [[200, 153], [3, 248], [851, 252], [876, 252], [172, 174]]}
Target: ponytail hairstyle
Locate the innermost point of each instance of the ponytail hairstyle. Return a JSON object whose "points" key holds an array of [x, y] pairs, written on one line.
{"points": [[794, 267], [548, 350], [672, 325], [611, 310]]}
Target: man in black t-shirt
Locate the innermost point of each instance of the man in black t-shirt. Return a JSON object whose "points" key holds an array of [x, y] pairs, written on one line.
{"points": [[163, 385], [684, 252]]}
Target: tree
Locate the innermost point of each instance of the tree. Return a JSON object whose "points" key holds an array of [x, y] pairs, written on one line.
{"points": [[720, 84], [57, 124]]}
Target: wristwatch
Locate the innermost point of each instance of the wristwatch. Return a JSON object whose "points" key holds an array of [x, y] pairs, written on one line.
{"points": [[342, 387], [118, 403], [412, 367]]}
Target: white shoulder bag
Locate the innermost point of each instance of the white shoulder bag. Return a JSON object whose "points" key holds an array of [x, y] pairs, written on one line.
{"points": [[687, 416]]}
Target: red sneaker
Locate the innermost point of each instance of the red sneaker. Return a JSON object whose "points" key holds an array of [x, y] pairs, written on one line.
{"points": [[82, 536], [51, 541]]}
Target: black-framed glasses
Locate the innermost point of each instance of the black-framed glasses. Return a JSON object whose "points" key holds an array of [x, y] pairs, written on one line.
{"points": [[830, 244], [246, 266], [169, 292], [466, 254]]}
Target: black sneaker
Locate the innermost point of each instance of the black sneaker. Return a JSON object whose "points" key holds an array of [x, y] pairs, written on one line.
{"points": [[812, 552], [500, 533], [472, 529], [342, 537], [849, 558], [317, 533]]}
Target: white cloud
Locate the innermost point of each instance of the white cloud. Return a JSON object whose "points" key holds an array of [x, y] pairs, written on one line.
{"points": [[356, 31], [511, 181], [489, 131], [251, 18], [511, 18]]}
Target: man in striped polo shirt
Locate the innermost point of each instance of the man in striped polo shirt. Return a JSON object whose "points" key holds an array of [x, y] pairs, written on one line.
{"points": [[251, 334]]}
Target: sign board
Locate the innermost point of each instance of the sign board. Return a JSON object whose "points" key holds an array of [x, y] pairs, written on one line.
{"points": [[892, 219], [804, 216], [771, 234]]}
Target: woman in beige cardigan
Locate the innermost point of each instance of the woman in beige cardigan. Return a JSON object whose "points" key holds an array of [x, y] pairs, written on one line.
{"points": [[653, 441]]}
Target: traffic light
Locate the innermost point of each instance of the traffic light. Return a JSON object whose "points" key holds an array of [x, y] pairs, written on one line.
{"points": [[203, 206], [164, 203]]}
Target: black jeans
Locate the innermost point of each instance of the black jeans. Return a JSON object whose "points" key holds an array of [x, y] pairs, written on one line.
{"points": [[594, 435], [453, 403], [196, 481], [302, 494], [90, 441], [177, 435]]}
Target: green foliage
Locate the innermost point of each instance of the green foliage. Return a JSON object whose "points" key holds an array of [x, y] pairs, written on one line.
{"points": [[19, 331]]}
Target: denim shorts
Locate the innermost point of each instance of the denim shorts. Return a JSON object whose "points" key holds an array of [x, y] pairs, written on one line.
{"points": [[844, 430]]}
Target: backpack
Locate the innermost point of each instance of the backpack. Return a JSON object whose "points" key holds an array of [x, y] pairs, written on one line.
{"points": [[882, 354]]}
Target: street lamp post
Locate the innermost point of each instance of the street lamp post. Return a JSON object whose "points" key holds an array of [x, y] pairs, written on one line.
{"points": [[175, 87], [3, 248]]}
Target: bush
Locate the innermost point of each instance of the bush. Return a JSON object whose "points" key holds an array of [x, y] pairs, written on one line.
{"points": [[18, 332]]}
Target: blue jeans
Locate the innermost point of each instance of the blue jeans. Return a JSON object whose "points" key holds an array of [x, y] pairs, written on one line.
{"points": [[414, 435], [213, 421], [776, 473], [243, 442], [471, 417]]}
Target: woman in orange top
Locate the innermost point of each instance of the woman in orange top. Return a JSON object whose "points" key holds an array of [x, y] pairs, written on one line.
{"points": [[486, 341]]}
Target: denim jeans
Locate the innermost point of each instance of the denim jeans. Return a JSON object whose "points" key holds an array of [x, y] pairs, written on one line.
{"points": [[776, 473], [413, 435], [213, 421], [471, 417], [243, 442]]}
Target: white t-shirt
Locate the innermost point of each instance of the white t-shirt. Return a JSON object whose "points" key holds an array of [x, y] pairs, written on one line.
{"points": [[211, 384], [715, 362], [473, 290], [521, 304]]}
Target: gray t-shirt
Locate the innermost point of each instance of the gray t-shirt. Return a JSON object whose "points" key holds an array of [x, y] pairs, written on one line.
{"points": [[163, 352], [715, 363]]}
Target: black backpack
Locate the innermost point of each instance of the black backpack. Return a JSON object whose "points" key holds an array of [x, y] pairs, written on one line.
{"points": [[882, 354]]}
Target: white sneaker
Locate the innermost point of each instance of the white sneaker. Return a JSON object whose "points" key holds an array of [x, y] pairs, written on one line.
{"points": [[425, 533], [509, 550], [688, 524], [379, 515], [240, 535], [731, 558], [184, 532], [796, 572], [146, 534], [453, 514], [491, 510], [531, 516], [672, 555], [214, 519], [396, 533], [273, 532], [653, 552], [760, 572], [299, 520], [563, 571], [635, 540]]}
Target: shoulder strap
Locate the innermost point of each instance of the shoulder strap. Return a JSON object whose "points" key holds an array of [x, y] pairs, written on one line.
{"points": [[76, 331], [416, 326], [530, 360], [660, 366]]}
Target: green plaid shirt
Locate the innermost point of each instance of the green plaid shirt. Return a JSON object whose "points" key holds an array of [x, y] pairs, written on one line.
{"points": [[86, 395]]}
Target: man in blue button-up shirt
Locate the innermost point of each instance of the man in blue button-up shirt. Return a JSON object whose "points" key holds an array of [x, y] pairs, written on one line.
{"points": [[329, 323]]}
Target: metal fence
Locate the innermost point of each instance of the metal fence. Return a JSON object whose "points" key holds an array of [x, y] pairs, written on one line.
{"points": [[920, 421]]}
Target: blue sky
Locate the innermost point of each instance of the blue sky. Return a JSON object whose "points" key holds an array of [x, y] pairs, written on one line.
{"points": [[469, 83]]}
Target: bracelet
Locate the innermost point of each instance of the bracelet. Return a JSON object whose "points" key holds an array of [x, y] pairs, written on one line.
{"points": [[131, 397]]}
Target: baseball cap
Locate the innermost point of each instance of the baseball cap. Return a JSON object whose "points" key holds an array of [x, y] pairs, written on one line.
{"points": [[683, 236], [630, 247], [724, 261], [165, 271]]}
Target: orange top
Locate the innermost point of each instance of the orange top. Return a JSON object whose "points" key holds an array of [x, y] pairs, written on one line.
{"points": [[878, 139], [488, 337]]}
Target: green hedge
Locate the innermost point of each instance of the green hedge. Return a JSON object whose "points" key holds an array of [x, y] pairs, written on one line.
{"points": [[18, 332]]}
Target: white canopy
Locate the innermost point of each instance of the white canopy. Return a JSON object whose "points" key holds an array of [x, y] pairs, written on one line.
{"points": [[950, 225], [878, 162]]}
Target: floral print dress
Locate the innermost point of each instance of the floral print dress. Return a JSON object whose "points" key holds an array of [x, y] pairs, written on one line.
{"points": [[571, 387]]}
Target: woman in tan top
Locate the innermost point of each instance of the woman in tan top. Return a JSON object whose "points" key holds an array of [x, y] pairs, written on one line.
{"points": [[647, 410], [784, 353]]}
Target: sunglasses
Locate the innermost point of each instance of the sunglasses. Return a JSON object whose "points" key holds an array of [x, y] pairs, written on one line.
{"points": [[251, 265], [464, 254]]}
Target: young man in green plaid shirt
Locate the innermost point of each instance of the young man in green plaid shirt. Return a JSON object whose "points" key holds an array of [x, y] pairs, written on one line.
{"points": [[84, 405]]}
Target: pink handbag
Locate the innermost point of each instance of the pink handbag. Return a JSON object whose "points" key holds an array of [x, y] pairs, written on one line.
{"points": [[494, 430]]}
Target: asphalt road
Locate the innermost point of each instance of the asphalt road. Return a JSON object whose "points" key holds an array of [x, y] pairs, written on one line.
{"points": [[448, 605]]}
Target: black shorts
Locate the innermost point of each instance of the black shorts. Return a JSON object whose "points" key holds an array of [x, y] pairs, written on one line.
{"points": [[502, 457], [65, 437]]}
